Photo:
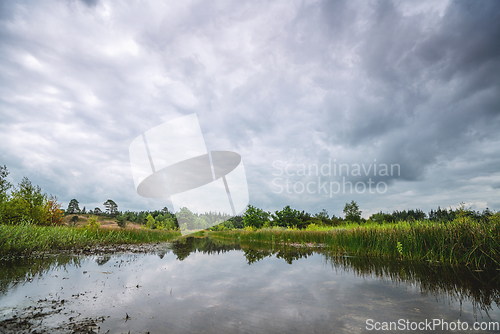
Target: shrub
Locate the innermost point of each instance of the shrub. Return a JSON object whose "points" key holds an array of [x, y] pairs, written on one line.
{"points": [[74, 219], [312, 227], [93, 223], [121, 221]]}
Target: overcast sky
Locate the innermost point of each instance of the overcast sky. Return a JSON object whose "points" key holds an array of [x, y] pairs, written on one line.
{"points": [[282, 83]]}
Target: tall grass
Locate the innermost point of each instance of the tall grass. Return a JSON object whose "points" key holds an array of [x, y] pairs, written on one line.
{"points": [[27, 238], [463, 241]]}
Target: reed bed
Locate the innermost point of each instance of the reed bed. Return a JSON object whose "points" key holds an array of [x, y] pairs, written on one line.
{"points": [[461, 242], [27, 238]]}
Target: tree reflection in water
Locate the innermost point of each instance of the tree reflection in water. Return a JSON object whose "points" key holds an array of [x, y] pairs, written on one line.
{"points": [[482, 288]]}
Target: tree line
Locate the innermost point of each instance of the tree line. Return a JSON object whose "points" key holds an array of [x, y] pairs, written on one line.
{"points": [[111, 208], [288, 217], [27, 202]]}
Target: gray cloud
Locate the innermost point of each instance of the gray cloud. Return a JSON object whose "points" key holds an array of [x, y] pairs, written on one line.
{"points": [[399, 82]]}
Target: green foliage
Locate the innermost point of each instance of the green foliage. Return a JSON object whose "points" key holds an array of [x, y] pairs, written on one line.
{"points": [[74, 219], [287, 217], [352, 212], [188, 220], [93, 223], [150, 222], [121, 221], [4, 188], [4, 184], [407, 215], [224, 226], [381, 218], [463, 241], [29, 203], [312, 227], [323, 216], [163, 222], [400, 248], [185, 214], [255, 217]]}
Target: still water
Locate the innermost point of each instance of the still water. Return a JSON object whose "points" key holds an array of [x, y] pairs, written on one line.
{"points": [[209, 286]]}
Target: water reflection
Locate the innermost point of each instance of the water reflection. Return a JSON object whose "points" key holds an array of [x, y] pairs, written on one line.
{"points": [[184, 247], [20, 270], [481, 288]]}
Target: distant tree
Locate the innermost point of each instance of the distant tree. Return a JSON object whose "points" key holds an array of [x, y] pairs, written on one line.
{"points": [[185, 216], [74, 219], [28, 201], [352, 212], [84, 211], [442, 215], [287, 217], [255, 217], [97, 211], [381, 217], [150, 222], [141, 217], [323, 216], [304, 218], [4, 184], [336, 221], [53, 212], [73, 207], [237, 221], [4, 188], [121, 220], [111, 207]]}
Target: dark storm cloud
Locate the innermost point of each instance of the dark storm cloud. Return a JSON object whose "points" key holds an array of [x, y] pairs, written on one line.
{"points": [[422, 89], [90, 3]]}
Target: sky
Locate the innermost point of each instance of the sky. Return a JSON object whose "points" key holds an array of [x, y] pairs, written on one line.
{"points": [[314, 96]]}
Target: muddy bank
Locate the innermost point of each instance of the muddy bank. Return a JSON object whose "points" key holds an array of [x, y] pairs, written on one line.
{"points": [[98, 249], [121, 248], [59, 312], [39, 318]]}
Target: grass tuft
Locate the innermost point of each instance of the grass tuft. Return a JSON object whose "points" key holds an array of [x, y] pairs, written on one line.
{"points": [[461, 242], [26, 238]]}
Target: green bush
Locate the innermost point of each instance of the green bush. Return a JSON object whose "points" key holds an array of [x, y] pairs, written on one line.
{"points": [[93, 223], [121, 221]]}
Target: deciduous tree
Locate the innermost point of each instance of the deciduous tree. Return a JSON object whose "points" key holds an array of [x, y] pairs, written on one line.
{"points": [[255, 217], [352, 212]]}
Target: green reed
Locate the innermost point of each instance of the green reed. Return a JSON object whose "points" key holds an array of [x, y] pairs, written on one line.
{"points": [[462, 241], [28, 238]]}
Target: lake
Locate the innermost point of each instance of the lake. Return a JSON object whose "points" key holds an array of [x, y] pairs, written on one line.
{"points": [[203, 285]]}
